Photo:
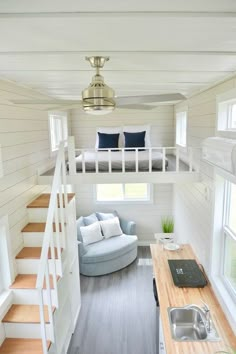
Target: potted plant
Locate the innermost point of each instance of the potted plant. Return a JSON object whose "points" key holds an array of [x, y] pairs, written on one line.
{"points": [[167, 234]]}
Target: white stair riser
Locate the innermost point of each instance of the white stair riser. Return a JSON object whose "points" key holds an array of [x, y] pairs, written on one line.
{"points": [[26, 330], [31, 297], [35, 239], [30, 266], [37, 214]]}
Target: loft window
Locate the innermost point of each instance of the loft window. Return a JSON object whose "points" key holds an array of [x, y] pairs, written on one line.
{"points": [[123, 192], [226, 115], [58, 129], [181, 128]]}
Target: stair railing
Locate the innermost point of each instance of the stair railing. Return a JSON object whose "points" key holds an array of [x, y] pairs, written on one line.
{"points": [[48, 271]]}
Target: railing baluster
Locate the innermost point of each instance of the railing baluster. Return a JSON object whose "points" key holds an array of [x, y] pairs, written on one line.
{"points": [[71, 155], [109, 160], [190, 159], [49, 300], [123, 159], [150, 159], [58, 243], [136, 160], [177, 159], [42, 321], [163, 159], [83, 161], [96, 161]]}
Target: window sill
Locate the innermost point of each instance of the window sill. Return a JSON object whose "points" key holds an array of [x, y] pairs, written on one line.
{"points": [[181, 145], [225, 300], [135, 202]]}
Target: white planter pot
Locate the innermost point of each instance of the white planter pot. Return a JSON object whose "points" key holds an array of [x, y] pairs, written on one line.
{"points": [[164, 237]]}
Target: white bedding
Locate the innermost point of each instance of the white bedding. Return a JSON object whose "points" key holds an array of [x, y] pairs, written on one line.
{"points": [[116, 161]]}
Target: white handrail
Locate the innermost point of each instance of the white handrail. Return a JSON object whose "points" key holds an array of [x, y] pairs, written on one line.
{"points": [[48, 270]]}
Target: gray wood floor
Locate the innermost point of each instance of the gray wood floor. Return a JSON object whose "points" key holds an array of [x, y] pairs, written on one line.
{"points": [[118, 313]]}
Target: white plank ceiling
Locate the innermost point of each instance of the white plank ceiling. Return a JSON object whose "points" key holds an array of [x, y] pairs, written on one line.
{"points": [[164, 46]]}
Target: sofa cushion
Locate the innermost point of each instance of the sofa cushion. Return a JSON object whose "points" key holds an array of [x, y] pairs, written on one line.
{"points": [[109, 248], [90, 219], [111, 227], [91, 233], [79, 223], [106, 216]]}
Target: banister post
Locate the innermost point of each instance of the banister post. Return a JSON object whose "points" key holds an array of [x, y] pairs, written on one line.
{"points": [[71, 155]]}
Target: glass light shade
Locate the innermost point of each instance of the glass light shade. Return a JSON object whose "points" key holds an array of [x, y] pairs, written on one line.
{"points": [[98, 98]]}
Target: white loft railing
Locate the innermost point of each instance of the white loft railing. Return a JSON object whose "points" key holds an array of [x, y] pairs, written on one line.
{"points": [[189, 156], [56, 218]]}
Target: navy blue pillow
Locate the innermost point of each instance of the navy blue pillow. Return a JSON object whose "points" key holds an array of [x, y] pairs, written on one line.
{"points": [[108, 141], [135, 140]]}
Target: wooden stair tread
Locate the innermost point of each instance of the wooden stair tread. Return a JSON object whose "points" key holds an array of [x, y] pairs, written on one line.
{"points": [[43, 200], [33, 253], [22, 346], [38, 227], [28, 281], [25, 314]]}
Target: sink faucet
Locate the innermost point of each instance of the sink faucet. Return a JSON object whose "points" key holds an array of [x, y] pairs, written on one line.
{"points": [[206, 310]]}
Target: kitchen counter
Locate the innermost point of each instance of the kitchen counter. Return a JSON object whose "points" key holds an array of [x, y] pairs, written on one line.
{"points": [[172, 296]]}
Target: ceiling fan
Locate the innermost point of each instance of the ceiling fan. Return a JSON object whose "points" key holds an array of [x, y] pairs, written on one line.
{"points": [[99, 98]]}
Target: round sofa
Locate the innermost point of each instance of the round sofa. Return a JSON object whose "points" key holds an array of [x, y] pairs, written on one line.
{"points": [[107, 255]]}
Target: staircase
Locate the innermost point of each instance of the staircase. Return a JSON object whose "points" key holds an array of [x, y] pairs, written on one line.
{"points": [[32, 323]]}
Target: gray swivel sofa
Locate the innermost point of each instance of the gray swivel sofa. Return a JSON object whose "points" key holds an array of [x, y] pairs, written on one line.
{"points": [[107, 255]]}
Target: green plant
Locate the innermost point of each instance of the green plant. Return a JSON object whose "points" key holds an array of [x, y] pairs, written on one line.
{"points": [[167, 225]]}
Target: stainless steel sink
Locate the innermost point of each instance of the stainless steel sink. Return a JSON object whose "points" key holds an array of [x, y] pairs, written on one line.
{"points": [[189, 324]]}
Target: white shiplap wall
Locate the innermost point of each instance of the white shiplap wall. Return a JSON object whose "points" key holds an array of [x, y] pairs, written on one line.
{"points": [[146, 216], [25, 147], [161, 120], [193, 203]]}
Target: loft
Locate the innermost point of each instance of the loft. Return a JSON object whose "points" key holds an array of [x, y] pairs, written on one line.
{"points": [[154, 165]]}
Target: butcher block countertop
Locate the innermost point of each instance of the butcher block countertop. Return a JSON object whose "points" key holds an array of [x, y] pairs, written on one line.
{"points": [[172, 296]]}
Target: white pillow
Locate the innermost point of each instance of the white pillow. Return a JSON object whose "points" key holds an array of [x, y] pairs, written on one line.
{"points": [[111, 227], [139, 128], [107, 130], [91, 233]]}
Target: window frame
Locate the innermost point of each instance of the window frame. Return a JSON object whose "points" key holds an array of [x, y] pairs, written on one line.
{"points": [[1, 163], [181, 128], [62, 117], [225, 296], [225, 102], [227, 232], [149, 199]]}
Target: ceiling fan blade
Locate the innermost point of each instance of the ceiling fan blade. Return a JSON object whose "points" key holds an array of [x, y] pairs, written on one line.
{"points": [[141, 107], [149, 99], [38, 101]]}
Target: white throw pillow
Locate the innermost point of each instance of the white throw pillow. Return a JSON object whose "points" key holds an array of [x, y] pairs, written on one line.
{"points": [[91, 233], [140, 128], [111, 227], [107, 130]]}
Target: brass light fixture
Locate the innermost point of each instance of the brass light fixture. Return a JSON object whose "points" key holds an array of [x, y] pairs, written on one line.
{"points": [[98, 98]]}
